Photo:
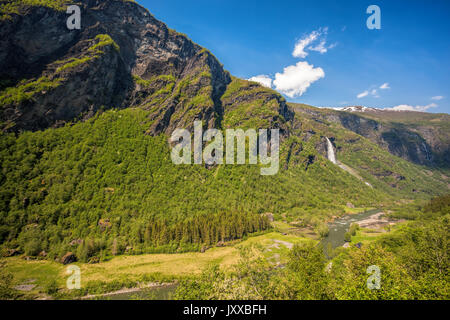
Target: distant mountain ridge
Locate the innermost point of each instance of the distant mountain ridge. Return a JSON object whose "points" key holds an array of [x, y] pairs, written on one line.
{"points": [[422, 138]]}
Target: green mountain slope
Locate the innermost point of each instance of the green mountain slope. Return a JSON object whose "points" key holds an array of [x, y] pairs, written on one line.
{"points": [[88, 170]]}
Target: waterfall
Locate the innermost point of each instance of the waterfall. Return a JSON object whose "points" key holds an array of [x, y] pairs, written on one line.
{"points": [[427, 153], [330, 151], [331, 155]]}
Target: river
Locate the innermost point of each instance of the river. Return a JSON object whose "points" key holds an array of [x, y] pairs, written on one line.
{"points": [[340, 226], [161, 292]]}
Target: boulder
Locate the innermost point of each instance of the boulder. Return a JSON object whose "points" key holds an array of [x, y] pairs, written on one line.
{"points": [[28, 258], [9, 252], [269, 216], [69, 257], [220, 244]]}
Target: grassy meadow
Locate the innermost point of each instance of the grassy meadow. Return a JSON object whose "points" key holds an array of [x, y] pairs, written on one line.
{"points": [[135, 268]]}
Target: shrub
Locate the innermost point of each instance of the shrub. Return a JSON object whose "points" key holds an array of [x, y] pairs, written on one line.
{"points": [[348, 237]]}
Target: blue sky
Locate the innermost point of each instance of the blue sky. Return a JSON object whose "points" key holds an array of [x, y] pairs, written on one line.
{"points": [[410, 54]]}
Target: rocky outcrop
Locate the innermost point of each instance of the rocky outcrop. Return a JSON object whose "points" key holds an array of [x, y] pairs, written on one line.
{"points": [[409, 145], [121, 57], [69, 257], [5, 252], [408, 141], [247, 104]]}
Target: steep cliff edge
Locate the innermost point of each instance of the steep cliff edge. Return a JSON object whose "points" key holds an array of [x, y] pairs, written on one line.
{"points": [[121, 57]]}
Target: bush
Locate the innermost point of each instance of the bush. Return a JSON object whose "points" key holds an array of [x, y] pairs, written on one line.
{"points": [[32, 247], [348, 237], [51, 287], [353, 228], [322, 229], [6, 280]]}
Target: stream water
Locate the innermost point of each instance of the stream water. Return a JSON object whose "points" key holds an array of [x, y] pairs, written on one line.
{"points": [[163, 292], [340, 226]]}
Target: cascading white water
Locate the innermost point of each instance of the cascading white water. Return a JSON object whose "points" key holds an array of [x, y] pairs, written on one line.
{"points": [[331, 155], [427, 153], [330, 151]]}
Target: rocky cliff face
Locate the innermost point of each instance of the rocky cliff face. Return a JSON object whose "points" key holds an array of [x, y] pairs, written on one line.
{"points": [[121, 57], [397, 138]]}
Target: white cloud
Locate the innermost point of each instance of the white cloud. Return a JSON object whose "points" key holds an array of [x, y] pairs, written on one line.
{"points": [[331, 46], [373, 92], [362, 94], [295, 79], [321, 47], [437, 98], [406, 107], [262, 79], [299, 49], [385, 86], [304, 43]]}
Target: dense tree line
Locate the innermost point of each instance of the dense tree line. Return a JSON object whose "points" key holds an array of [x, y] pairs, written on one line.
{"points": [[204, 229]]}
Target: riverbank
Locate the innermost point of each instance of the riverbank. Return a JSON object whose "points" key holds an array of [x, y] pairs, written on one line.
{"points": [[379, 221], [128, 292]]}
